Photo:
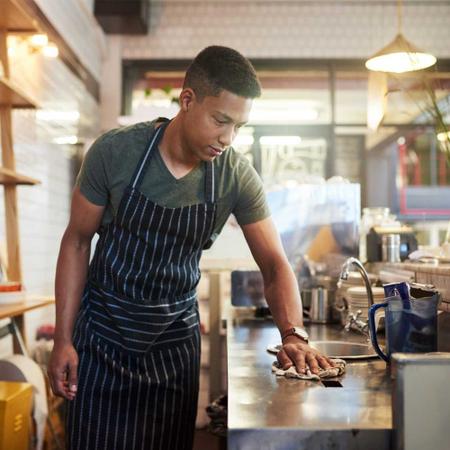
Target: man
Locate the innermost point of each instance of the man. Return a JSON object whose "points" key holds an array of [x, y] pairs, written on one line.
{"points": [[127, 343]]}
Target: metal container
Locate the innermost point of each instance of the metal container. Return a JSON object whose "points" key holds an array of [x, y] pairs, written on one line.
{"points": [[390, 247], [306, 299], [320, 310], [319, 300]]}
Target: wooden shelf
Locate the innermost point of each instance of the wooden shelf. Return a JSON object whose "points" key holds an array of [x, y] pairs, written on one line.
{"points": [[14, 19], [8, 176], [12, 96], [29, 303]]}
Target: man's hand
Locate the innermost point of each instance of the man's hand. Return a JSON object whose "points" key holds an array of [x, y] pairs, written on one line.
{"points": [[299, 353], [62, 371]]}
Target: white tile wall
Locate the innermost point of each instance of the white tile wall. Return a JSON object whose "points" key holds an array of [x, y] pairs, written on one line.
{"points": [[54, 88], [74, 20], [89, 4], [43, 212], [44, 209], [290, 29]]}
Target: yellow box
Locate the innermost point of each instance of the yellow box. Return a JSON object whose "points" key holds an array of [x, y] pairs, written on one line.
{"points": [[15, 415]]}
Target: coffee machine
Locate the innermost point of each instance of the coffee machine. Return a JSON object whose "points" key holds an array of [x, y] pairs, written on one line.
{"points": [[407, 242]]}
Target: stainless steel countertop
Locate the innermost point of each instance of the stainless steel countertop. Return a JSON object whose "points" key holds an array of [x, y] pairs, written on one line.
{"points": [[258, 400]]}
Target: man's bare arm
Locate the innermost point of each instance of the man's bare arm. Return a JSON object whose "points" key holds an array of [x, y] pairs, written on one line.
{"points": [[71, 272], [282, 294]]}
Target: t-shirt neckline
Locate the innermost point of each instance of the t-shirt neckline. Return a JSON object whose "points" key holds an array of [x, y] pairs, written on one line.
{"points": [[173, 178]]}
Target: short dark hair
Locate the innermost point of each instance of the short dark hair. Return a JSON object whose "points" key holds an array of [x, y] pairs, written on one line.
{"points": [[218, 68]]}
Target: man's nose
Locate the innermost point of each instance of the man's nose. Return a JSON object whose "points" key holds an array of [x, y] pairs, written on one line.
{"points": [[227, 137]]}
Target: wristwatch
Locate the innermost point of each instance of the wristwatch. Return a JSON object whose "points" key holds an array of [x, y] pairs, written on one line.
{"points": [[296, 331]]}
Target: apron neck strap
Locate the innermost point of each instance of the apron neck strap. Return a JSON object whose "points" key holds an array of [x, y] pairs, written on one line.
{"points": [[209, 182], [141, 168]]}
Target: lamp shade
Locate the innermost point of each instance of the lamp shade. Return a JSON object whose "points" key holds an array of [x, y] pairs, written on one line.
{"points": [[400, 56]]}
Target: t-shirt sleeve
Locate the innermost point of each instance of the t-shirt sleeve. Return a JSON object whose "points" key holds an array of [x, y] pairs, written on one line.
{"points": [[95, 173], [251, 205]]}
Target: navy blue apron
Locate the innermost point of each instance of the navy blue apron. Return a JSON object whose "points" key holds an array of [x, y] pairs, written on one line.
{"points": [[137, 332]]}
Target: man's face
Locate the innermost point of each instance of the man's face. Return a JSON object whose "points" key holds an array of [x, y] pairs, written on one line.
{"points": [[210, 125]]}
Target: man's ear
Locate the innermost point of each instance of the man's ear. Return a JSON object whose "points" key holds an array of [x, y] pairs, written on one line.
{"points": [[186, 99]]}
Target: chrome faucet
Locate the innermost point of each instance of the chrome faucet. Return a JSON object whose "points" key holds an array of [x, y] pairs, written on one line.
{"points": [[353, 319], [355, 323]]}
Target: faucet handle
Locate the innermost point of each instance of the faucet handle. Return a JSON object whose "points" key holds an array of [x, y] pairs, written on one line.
{"points": [[351, 318], [354, 319]]}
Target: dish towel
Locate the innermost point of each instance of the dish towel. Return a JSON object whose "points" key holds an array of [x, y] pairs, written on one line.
{"points": [[336, 371]]}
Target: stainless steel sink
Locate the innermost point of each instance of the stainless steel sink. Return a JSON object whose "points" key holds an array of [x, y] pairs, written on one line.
{"points": [[344, 349], [337, 349]]}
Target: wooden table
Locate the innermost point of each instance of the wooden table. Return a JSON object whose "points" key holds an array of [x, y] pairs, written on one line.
{"points": [[15, 312]]}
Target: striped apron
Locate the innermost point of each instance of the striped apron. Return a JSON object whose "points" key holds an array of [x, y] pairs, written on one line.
{"points": [[137, 332]]}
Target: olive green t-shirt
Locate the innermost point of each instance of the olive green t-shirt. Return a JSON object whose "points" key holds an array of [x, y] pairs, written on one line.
{"points": [[111, 161]]}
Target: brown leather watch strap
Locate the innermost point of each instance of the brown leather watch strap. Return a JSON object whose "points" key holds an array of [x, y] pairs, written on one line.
{"points": [[287, 333], [291, 332]]}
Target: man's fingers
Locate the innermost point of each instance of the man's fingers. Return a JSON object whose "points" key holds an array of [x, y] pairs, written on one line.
{"points": [[296, 357], [62, 371], [312, 362], [72, 378], [302, 356], [300, 363], [323, 362], [284, 360], [58, 384]]}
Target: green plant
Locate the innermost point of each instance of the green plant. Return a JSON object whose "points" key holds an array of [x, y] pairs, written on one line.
{"points": [[422, 89]]}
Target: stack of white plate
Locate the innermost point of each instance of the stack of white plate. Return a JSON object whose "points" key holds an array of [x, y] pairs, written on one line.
{"points": [[354, 279], [357, 299]]}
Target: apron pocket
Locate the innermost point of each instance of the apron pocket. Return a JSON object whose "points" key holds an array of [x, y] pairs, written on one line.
{"points": [[136, 326]]}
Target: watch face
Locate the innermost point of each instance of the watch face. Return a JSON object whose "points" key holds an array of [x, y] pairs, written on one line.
{"points": [[301, 332]]}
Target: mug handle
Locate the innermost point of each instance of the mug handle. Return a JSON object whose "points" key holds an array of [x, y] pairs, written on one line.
{"points": [[373, 331]]}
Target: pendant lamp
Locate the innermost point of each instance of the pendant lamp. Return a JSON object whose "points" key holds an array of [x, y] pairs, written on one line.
{"points": [[400, 55]]}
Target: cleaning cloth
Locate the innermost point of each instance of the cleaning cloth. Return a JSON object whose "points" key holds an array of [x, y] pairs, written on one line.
{"points": [[336, 371]]}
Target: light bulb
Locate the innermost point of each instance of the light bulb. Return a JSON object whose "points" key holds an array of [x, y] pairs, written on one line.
{"points": [[50, 51], [401, 62], [39, 40]]}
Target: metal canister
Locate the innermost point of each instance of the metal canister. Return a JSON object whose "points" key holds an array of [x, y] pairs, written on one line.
{"points": [[320, 310], [390, 247]]}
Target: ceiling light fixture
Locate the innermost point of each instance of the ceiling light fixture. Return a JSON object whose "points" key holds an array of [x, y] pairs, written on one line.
{"points": [[38, 40], [50, 50], [66, 140], [35, 43], [400, 55]]}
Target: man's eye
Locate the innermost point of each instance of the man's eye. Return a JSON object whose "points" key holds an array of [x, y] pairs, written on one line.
{"points": [[221, 122]]}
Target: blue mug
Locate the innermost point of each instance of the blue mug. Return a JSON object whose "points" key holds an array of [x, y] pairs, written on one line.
{"points": [[408, 330]]}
